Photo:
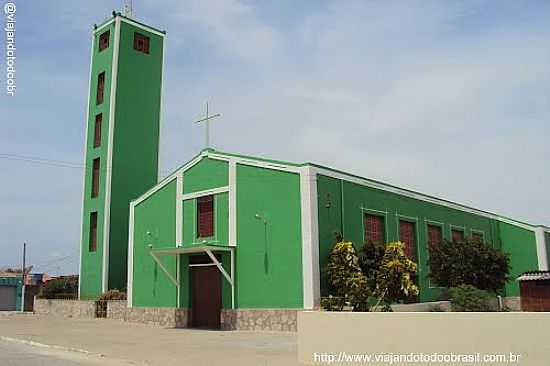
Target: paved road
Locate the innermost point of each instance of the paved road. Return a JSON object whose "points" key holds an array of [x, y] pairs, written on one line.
{"points": [[17, 354]]}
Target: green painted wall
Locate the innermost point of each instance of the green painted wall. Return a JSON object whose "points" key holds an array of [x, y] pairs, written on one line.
{"points": [[136, 138], [342, 203], [135, 149], [206, 174], [91, 262], [547, 246], [155, 215], [269, 256], [521, 244]]}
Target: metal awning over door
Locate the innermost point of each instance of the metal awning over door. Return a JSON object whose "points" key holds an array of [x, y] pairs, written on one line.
{"points": [[208, 250]]}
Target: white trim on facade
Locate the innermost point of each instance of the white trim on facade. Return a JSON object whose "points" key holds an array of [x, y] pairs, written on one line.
{"points": [[370, 211], [310, 238], [108, 170], [141, 26], [168, 179], [160, 105], [415, 221], [232, 203], [208, 192], [106, 24], [418, 196], [541, 248], [436, 223], [156, 188], [456, 228], [179, 209], [256, 163], [130, 277], [85, 161], [477, 231]]}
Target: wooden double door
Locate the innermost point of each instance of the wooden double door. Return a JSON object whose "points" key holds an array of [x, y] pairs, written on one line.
{"points": [[206, 294]]}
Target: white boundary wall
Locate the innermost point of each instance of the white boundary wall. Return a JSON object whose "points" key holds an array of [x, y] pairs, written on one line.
{"points": [[327, 333]]}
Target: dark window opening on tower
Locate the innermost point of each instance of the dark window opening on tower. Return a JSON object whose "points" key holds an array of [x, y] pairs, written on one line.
{"points": [[100, 87], [95, 178], [97, 130], [205, 217], [407, 235], [374, 229], [104, 40], [92, 244], [141, 43]]}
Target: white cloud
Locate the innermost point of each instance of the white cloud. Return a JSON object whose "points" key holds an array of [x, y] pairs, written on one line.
{"points": [[449, 98]]}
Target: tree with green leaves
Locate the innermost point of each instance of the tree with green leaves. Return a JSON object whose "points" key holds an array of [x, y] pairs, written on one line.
{"points": [[346, 282], [390, 274], [469, 262]]}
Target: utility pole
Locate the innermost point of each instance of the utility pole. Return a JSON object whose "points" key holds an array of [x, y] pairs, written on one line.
{"points": [[23, 275]]}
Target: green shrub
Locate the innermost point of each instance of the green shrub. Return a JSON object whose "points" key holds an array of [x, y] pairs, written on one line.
{"points": [[112, 295], [469, 262], [60, 288], [470, 298]]}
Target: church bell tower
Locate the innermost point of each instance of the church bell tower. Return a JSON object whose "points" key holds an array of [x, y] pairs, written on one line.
{"points": [[121, 144]]}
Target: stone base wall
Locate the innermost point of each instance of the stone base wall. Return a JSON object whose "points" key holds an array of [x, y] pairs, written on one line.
{"points": [[260, 319], [165, 317], [65, 308], [512, 303], [421, 306]]}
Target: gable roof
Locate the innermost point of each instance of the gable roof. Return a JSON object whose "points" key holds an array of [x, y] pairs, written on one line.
{"points": [[320, 169]]}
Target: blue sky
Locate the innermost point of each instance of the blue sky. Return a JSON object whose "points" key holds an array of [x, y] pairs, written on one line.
{"points": [[451, 98]]}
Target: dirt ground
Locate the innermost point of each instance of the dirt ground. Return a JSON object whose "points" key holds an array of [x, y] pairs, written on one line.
{"points": [[152, 345]]}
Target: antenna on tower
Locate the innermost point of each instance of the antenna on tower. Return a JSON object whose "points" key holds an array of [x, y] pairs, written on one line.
{"points": [[128, 9]]}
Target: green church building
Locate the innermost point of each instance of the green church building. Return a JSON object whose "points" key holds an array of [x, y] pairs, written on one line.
{"points": [[228, 238]]}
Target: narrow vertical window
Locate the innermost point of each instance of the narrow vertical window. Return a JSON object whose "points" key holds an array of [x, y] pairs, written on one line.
{"points": [[205, 217], [477, 237], [92, 244], [435, 235], [95, 178], [100, 87], [457, 235], [104, 40], [407, 235], [141, 43], [97, 130], [374, 229]]}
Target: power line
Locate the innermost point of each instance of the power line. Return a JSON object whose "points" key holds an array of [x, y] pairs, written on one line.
{"points": [[50, 162], [33, 159]]}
